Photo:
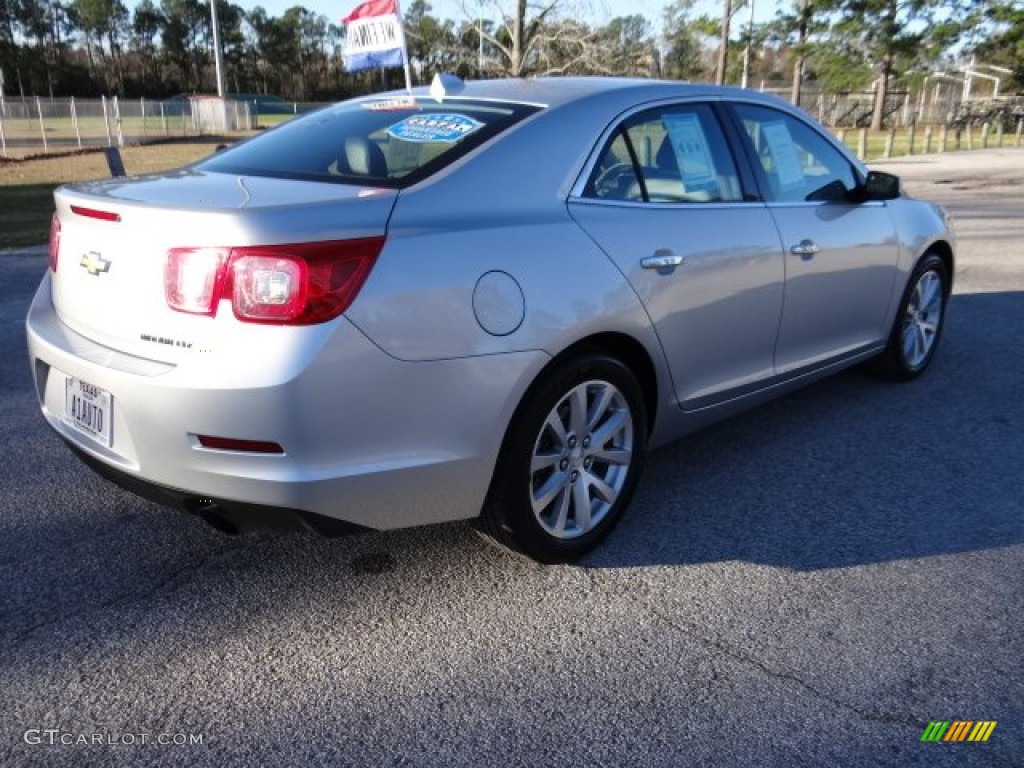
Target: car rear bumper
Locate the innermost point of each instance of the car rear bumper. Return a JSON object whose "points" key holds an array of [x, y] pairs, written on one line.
{"points": [[369, 440]]}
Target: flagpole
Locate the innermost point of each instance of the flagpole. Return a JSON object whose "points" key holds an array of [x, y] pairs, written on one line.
{"points": [[405, 48]]}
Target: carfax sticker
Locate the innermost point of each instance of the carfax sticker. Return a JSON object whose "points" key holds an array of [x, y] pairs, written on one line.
{"points": [[446, 128]]}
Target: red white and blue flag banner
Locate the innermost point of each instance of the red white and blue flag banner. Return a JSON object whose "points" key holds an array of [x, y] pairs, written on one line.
{"points": [[374, 36]]}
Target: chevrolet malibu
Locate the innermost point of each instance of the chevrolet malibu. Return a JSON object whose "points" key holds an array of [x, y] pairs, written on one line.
{"points": [[476, 301]]}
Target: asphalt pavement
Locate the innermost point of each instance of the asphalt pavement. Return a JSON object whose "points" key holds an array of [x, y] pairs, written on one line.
{"points": [[809, 584]]}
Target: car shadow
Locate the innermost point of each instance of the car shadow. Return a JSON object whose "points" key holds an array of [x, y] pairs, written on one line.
{"points": [[849, 471], [852, 470]]}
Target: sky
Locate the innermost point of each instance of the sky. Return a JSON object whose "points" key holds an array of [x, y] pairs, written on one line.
{"points": [[600, 10]]}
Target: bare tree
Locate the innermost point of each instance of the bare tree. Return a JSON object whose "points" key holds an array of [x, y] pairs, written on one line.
{"points": [[523, 28]]}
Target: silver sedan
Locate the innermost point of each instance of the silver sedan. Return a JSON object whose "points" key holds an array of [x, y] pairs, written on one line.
{"points": [[479, 301]]}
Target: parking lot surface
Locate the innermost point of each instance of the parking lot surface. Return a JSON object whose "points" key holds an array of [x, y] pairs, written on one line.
{"points": [[809, 584]]}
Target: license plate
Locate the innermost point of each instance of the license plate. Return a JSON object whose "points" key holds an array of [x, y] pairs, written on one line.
{"points": [[88, 409]]}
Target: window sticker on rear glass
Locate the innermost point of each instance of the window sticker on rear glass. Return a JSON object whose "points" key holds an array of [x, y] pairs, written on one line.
{"points": [[443, 127], [780, 144], [692, 153]]}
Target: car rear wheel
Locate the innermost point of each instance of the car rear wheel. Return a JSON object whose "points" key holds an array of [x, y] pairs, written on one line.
{"points": [[570, 461], [918, 325]]}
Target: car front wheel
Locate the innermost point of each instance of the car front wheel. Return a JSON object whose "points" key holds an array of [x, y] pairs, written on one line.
{"points": [[918, 325], [570, 462]]}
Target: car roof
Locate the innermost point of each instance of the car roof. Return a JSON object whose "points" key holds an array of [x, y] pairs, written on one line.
{"points": [[558, 91]]}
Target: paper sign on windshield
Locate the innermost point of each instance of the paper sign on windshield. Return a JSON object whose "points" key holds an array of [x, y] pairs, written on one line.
{"points": [[692, 152], [443, 127], [780, 143]]}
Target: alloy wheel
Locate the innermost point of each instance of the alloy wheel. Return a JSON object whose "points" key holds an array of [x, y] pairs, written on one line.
{"points": [[922, 319], [581, 459]]}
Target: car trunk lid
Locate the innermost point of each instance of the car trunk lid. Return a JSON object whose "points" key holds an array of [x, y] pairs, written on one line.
{"points": [[115, 235]]}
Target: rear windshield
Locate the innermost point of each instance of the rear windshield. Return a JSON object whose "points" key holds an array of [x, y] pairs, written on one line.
{"points": [[391, 142]]}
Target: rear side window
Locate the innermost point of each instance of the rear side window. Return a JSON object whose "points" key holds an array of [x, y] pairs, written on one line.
{"points": [[670, 155], [385, 143]]}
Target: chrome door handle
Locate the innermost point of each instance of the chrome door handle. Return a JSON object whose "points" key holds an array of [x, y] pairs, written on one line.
{"points": [[805, 248], [661, 261]]}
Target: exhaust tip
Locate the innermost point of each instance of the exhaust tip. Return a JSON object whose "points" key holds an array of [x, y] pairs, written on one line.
{"points": [[212, 515]]}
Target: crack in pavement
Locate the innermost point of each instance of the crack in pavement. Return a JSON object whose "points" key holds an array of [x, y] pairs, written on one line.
{"points": [[645, 600]]}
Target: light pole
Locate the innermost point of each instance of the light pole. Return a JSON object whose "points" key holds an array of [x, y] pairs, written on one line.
{"points": [[217, 60], [746, 51]]}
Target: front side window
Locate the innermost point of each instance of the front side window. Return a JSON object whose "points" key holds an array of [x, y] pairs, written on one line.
{"points": [[386, 142], [799, 163], [668, 155]]}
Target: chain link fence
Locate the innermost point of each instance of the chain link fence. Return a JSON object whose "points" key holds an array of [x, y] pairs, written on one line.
{"points": [[38, 125]]}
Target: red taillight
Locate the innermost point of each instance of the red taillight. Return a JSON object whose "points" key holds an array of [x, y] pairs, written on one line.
{"points": [[266, 288], [54, 241], [194, 279], [298, 284], [93, 213], [233, 444]]}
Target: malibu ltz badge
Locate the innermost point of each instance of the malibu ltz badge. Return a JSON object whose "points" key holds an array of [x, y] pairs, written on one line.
{"points": [[94, 263]]}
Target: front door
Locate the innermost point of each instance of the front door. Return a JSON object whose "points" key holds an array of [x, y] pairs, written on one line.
{"points": [[666, 203], [841, 256]]}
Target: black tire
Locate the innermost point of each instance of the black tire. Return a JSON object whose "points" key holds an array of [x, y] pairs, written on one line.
{"points": [[508, 516], [898, 362]]}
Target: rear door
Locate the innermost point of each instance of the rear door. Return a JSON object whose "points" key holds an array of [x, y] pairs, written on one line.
{"points": [[666, 201], [841, 255]]}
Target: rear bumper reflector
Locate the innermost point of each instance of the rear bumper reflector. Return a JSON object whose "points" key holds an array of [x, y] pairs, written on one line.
{"points": [[232, 444]]}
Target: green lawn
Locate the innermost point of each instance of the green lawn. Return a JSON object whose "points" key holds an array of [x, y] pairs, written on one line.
{"points": [[876, 141], [269, 121], [26, 187]]}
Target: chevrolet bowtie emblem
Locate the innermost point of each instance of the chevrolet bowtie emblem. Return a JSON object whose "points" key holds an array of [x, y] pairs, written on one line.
{"points": [[94, 263]]}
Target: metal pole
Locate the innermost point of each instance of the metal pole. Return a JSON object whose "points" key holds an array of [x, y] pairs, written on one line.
{"points": [[217, 62], [117, 122], [405, 48], [746, 51], [74, 119], [42, 126], [106, 123], [968, 78]]}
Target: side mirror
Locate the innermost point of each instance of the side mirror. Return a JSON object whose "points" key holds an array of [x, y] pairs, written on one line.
{"points": [[881, 186]]}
